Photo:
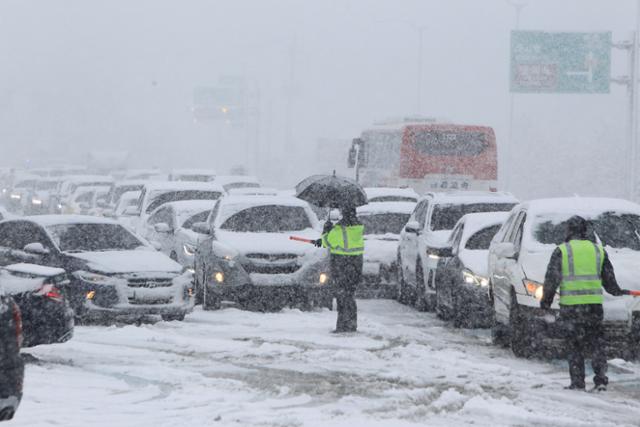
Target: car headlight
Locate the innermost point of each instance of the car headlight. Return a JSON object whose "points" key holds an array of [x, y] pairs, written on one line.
{"points": [[189, 249], [97, 279], [323, 278], [16, 196], [218, 276], [473, 279], [36, 202], [534, 288]]}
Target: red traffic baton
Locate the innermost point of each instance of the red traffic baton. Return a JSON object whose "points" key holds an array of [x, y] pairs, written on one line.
{"points": [[302, 239], [634, 293]]}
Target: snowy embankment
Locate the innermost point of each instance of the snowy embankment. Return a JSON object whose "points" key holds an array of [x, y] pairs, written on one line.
{"points": [[239, 368]]}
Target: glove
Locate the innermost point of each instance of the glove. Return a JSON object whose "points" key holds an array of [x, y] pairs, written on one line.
{"points": [[327, 227], [317, 243], [626, 292]]}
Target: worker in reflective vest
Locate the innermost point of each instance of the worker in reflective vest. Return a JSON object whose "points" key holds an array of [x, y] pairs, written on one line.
{"points": [[345, 241], [581, 269]]}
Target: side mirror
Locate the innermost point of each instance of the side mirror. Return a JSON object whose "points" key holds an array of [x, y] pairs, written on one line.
{"points": [[505, 250], [162, 227], [130, 211], [412, 227], [443, 252], [36, 248], [201, 227]]}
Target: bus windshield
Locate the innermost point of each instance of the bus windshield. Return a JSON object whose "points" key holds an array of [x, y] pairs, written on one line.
{"points": [[449, 143]]}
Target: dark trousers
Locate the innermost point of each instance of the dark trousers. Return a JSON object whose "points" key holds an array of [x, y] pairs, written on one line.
{"points": [[346, 272], [584, 337]]}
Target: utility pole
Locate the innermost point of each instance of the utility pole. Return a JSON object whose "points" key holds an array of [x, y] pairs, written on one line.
{"points": [[518, 6]]}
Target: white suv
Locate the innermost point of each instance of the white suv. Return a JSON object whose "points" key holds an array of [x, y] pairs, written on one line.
{"points": [[518, 259], [428, 231]]}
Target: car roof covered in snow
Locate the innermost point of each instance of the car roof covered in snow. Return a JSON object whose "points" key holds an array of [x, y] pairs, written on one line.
{"points": [[471, 197], [254, 191], [262, 201], [48, 220], [387, 207], [182, 185], [131, 183], [587, 206], [373, 192], [228, 179], [88, 178]]}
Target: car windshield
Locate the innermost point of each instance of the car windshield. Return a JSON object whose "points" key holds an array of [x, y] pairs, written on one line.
{"points": [[119, 191], [175, 196], [614, 230], [268, 219], [196, 178], [234, 185], [445, 217], [383, 223], [93, 237], [392, 199], [481, 240]]}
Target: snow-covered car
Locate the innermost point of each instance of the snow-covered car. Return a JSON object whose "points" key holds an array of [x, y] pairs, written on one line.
{"points": [[230, 182], [112, 273], [254, 191], [19, 197], [428, 230], [122, 187], [44, 197], [170, 227], [47, 317], [11, 364], [145, 175], [247, 256], [157, 193], [518, 259], [87, 201], [75, 184], [383, 222], [5, 214], [391, 194], [462, 288], [125, 212], [192, 175]]}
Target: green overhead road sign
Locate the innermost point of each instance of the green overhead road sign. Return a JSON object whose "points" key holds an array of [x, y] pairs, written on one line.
{"points": [[560, 62]]}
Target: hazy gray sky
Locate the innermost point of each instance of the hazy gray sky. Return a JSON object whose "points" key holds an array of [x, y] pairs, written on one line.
{"points": [[79, 75]]}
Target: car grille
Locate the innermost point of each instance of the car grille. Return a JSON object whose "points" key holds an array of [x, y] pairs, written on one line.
{"points": [[284, 263], [147, 282], [150, 301], [272, 257]]}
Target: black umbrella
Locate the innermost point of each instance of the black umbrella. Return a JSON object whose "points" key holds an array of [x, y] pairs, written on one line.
{"points": [[331, 191]]}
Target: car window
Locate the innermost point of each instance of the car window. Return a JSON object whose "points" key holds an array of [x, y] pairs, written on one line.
{"points": [[516, 234], [456, 235], [506, 228], [481, 240], [422, 215], [383, 223], [445, 216], [392, 199], [162, 215], [85, 197], [16, 235], [199, 217], [174, 196], [93, 237], [214, 213]]}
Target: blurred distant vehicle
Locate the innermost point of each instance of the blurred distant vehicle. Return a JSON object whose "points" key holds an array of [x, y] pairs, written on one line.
{"points": [[11, 365], [44, 197], [155, 194], [113, 274], [170, 226], [428, 230], [39, 292], [5, 214], [462, 288], [254, 191], [121, 187], [427, 155], [73, 183], [230, 182], [383, 222], [391, 194], [126, 211], [247, 257], [21, 192], [194, 175], [87, 201], [144, 175]]}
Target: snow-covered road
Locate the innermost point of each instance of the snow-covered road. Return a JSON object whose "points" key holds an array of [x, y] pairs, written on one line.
{"points": [[238, 368]]}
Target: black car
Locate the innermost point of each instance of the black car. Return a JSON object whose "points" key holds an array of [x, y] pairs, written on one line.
{"points": [[47, 317], [462, 285], [11, 365], [112, 274]]}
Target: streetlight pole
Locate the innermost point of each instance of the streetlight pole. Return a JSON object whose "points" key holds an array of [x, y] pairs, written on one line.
{"points": [[518, 6]]}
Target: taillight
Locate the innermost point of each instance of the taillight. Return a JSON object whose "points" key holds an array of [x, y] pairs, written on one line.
{"points": [[49, 291], [17, 319]]}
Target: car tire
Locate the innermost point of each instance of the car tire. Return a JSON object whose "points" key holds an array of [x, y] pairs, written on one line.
{"points": [[402, 285], [421, 301], [440, 308], [172, 317], [457, 313], [521, 339]]}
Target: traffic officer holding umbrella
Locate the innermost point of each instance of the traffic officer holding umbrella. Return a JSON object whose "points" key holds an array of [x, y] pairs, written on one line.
{"points": [[345, 239], [581, 269]]}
